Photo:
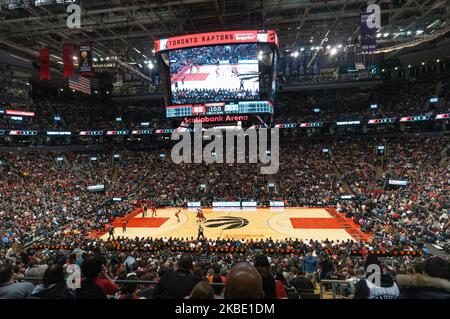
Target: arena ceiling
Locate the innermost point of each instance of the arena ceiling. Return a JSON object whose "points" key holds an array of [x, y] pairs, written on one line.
{"points": [[126, 28]]}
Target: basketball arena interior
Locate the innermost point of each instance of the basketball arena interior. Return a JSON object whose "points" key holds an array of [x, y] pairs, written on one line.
{"points": [[224, 149]]}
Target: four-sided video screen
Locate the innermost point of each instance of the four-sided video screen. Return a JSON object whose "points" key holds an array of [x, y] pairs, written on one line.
{"points": [[218, 73]]}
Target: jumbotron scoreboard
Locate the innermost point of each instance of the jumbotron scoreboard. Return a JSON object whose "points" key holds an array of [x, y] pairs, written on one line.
{"points": [[220, 77]]}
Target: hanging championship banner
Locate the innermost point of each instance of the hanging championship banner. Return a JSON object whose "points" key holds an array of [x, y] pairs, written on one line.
{"points": [[85, 60], [44, 57], [68, 60], [368, 34]]}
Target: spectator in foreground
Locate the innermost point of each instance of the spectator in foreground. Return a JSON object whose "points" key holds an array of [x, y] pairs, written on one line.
{"points": [[269, 285], [244, 282], [202, 290], [176, 284], [11, 290], [91, 269], [54, 285], [309, 267], [431, 281], [368, 288], [300, 282]]}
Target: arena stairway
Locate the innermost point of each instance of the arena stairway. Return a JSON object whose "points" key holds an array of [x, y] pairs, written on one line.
{"points": [[343, 182]]}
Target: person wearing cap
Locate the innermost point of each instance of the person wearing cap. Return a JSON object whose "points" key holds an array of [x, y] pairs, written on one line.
{"points": [[376, 284]]}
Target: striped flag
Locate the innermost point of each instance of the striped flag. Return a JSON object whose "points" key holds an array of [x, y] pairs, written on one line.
{"points": [[80, 83]]}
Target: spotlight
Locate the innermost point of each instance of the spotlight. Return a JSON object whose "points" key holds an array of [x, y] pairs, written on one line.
{"points": [[333, 51], [396, 68], [295, 54]]}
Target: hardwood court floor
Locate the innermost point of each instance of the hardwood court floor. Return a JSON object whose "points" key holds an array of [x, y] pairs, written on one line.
{"points": [[275, 223]]}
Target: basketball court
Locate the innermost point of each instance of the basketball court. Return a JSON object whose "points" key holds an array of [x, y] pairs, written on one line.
{"points": [[223, 78], [258, 223]]}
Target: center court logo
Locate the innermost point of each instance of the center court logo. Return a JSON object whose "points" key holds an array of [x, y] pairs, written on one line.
{"points": [[214, 151], [228, 221]]}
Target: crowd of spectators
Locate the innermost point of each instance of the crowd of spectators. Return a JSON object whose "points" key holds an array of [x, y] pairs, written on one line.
{"points": [[189, 96], [46, 201]]}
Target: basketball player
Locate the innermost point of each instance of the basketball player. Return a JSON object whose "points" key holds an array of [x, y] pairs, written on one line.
{"points": [[217, 72], [234, 71], [144, 211], [177, 215], [198, 68], [124, 227], [154, 211], [200, 232], [198, 215], [202, 216], [241, 87]]}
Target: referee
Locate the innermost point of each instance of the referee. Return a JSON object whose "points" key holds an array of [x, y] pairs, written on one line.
{"points": [[200, 232]]}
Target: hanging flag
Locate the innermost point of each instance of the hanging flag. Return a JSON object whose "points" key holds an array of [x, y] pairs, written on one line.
{"points": [[80, 83], [85, 60], [44, 67], [68, 60]]}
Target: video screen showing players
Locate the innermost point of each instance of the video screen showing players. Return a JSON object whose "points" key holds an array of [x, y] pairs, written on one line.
{"points": [[224, 73]]}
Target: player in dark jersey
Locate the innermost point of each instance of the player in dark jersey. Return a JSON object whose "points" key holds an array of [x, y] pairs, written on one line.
{"points": [[154, 211], [177, 215]]}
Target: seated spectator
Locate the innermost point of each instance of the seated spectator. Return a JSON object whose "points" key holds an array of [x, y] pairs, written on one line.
{"points": [[280, 283], [263, 267], [244, 282], [300, 282], [11, 290], [91, 269], [54, 285], [176, 284], [130, 291], [202, 290], [368, 289], [431, 281]]}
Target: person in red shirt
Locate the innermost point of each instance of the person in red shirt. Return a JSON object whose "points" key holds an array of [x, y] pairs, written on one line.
{"points": [[105, 282]]}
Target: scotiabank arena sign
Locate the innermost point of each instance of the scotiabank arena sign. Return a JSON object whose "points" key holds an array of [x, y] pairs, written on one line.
{"points": [[216, 38], [215, 119]]}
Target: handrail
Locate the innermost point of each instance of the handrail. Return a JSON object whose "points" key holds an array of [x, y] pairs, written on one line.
{"points": [[119, 282]]}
